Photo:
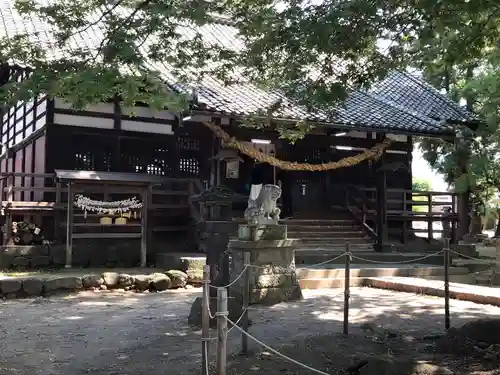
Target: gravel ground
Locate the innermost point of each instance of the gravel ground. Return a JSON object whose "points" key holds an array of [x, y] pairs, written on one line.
{"points": [[129, 334]]}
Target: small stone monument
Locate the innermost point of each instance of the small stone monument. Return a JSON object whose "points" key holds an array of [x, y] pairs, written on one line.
{"points": [[272, 254]]}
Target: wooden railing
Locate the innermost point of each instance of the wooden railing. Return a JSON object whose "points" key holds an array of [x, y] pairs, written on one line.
{"points": [[404, 206], [360, 205]]}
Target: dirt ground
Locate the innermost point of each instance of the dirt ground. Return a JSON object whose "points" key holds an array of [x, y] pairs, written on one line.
{"points": [[132, 334]]}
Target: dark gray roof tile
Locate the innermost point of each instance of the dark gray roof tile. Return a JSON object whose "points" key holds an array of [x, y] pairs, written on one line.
{"points": [[401, 102]]}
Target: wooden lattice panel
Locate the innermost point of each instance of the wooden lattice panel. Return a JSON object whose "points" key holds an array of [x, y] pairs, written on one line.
{"points": [[190, 166], [188, 144]]}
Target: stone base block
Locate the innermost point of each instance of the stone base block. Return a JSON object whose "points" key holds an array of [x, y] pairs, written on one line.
{"points": [[233, 305], [466, 249], [495, 279], [272, 273], [272, 296], [180, 261], [254, 232]]}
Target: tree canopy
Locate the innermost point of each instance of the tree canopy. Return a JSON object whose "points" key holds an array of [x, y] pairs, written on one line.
{"points": [[420, 184], [314, 52]]}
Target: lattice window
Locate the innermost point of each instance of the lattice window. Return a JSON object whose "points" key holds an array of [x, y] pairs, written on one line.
{"points": [[107, 162], [188, 144], [156, 168], [83, 161], [190, 166]]}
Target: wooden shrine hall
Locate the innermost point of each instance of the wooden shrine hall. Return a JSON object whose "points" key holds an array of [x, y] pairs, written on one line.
{"points": [[183, 157]]}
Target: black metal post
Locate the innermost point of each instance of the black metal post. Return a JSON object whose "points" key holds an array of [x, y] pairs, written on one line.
{"points": [[446, 283], [347, 292], [381, 210], [246, 302]]}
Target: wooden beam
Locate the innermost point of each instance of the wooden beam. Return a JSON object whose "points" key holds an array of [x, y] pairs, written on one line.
{"points": [[381, 210], [69, 228], [145, 227], [10, 198]]}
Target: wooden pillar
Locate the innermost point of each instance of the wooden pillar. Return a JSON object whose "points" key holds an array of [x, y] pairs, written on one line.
{"points": [[381, 210], [8, 211], [57, 212], [145, 227], [430, 221], [69, 227]]}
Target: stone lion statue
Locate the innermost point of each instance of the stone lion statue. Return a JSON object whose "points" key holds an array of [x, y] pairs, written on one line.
{"points": [[264, 207]]}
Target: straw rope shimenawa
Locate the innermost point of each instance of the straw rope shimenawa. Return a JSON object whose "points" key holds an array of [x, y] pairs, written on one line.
{"points": [[373, 153]]}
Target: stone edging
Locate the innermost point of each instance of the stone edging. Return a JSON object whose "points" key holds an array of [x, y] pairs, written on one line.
{"points": [[461, 295], [36, 286]]}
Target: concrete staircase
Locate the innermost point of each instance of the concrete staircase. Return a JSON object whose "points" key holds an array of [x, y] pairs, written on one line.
{"points": [[335, 277], [331, 234], [324, 239]]}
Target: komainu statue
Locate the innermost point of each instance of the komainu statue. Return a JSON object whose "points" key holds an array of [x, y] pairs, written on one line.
{"points": [[263, 209]]}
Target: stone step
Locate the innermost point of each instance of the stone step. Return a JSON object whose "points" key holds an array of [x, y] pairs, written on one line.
{"points": [[322, 224], [331, 283], [327, 235], [474, 265], [339, 282], [333, 241], [375, 259], [321, 231], [368, 270], [314, 249]]}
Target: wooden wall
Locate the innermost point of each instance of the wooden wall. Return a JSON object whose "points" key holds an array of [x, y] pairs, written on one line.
{"points": [[25, 119], [316, 191], [28, 157], [184, 154]]}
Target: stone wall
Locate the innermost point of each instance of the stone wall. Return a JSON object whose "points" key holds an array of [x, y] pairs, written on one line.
{"points": [[44, 285], [86, 253]]}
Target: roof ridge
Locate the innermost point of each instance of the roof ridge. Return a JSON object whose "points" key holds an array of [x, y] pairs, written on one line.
{"points": [[438, 95]]}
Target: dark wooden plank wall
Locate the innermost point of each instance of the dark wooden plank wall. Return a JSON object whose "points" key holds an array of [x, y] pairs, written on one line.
{"points": [[327, 187], [22, 129], [184, 154]]}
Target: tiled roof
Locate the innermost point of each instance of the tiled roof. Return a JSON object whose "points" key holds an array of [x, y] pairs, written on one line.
{"points": [[399, 103], [415, 94]]}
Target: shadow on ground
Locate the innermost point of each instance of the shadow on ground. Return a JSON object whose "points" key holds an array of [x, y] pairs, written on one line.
{"points": [[127, 333]]}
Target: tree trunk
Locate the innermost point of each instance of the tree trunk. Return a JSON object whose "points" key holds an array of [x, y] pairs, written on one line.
{"points": [[464, 198], [497, 229], [463, 213]]}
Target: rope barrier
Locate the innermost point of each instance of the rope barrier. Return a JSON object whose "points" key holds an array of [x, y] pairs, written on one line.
{"points": [[210, 315], [232, 282], [326, 261], [469, 257], [276, 352], [399, 262], [239, 319], [308, 266], [224, 314], [374, 153]]}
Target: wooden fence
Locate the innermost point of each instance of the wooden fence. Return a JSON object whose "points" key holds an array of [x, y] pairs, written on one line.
{"points": [[40, 198], [432, 207]]}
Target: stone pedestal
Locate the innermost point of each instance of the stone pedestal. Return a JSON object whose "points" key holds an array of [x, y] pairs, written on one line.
{"points": [[274, 279], [467, 249]]}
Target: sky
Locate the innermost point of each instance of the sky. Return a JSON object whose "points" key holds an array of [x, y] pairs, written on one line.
{"points": [[421, 169]]}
